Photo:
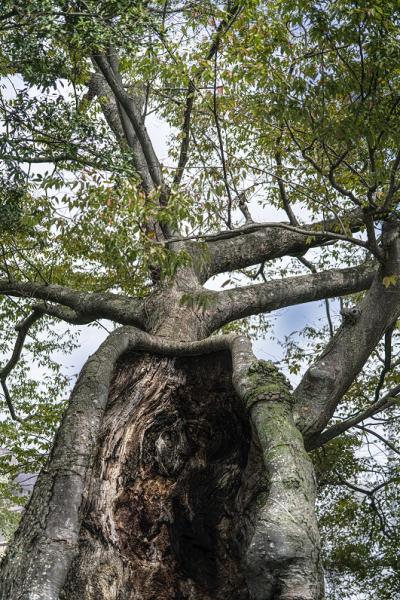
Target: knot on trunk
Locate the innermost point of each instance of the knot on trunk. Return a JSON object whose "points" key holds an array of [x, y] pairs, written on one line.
{"points": [[266, 384]]}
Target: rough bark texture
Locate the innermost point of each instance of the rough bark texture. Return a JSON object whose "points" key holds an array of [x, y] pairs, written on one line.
{"points": [[283, 550], [35, 566], [162, 509], [170, 493], [188, 478]]}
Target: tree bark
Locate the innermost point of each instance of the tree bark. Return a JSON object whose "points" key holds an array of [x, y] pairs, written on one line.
{"points": [[161, 510], [185, 479]]}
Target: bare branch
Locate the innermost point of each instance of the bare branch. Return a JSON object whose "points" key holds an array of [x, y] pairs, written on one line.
{"points": [[22, 328], [9, 401], [372, 242], [393, 186], [367, 491], [327, 380], [387, 362], [232, 233], [62, 312], [265, 297], [255, 243], [184, 151], [120, 125], [87, 307], [388, 400], [387, 443], [282, 191], [221, 146]]}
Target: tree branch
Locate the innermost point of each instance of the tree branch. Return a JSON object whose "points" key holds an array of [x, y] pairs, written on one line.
{"points": [[86, 307], [22, 328], [222, 28], [134, 117], [282, 189], [327, 380], [63, 313], [387, 443], [338, 428], [265, 297], [120, 125], [255, 243]]}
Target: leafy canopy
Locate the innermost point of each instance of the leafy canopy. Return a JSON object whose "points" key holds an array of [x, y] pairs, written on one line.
{"points": [[295, 104]]}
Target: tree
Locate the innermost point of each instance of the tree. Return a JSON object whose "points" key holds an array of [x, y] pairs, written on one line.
{"points": [[183, 467]]}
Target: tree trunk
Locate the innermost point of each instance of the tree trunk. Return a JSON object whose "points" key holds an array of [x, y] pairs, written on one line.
{"points": [[165, 506], [182, 495]]}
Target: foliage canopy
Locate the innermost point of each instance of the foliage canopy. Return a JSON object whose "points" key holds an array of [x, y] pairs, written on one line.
{"points": [[285, 108]]}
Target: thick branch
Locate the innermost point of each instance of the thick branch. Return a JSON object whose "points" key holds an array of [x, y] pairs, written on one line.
{"points": [[87, 306], [120, 126], [256, 243], [62, 312], [327, 380], [264, 297], [134, 116]]}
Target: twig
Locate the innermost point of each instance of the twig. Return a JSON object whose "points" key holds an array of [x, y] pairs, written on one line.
{"points": [[385, 402], [282, 191], [313, 269], [258, 226], [380, 437], [222, 29], [221, 144], [22, 328]]}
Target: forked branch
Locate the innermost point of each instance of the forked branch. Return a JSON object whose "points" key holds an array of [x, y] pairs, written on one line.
{"points": [[134, 116], [23, 329]]}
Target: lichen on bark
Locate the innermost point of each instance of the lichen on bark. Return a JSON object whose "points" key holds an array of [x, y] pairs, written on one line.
{"points": [[182, 495], [282, 556]]}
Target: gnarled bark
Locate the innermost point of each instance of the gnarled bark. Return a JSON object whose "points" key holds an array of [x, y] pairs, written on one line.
{"points": [[161, 512], [170, 494]]}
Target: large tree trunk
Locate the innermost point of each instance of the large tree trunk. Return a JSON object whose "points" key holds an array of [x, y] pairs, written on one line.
{"points": [[160, 485], [164, 509]]}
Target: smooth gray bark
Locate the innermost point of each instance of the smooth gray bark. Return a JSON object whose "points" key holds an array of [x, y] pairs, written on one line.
{"points": [[266, 297], [86, 307], [327, 380], [246, 248]]}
